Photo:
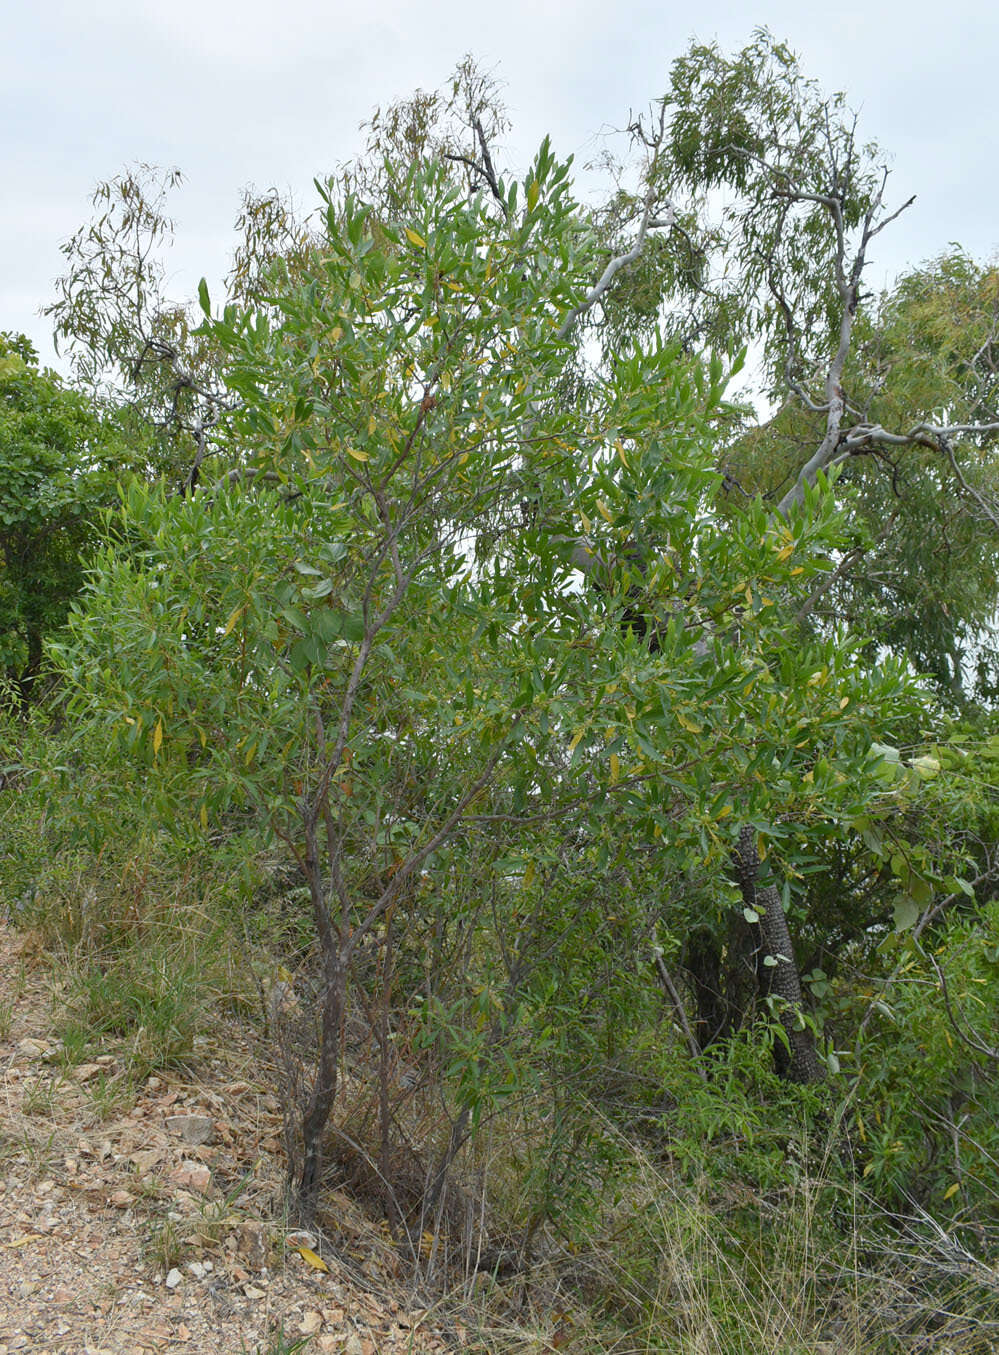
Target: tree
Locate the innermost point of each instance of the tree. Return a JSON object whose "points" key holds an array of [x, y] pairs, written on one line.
{"points": [[925, 351], [55, 449], [388, 404], [369, 635], [130, 345], [424, 475]]}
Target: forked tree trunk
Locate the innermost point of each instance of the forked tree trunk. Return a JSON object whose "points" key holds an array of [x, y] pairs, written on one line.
{"points": [[799, 1060]]}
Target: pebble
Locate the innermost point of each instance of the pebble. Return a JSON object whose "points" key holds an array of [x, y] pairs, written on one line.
{"points": [[193, 1129]]}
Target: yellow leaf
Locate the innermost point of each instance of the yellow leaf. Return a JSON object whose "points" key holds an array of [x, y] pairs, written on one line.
{"points": [[158, 737], [371, 425], [204, 818], [620, 455], [585, 521], [615, 768], [430, 321], [420, 243], [532, 195], [529, 873], [310, 1257], [688, 725], [233, 619], [575, 740], [952, 1190], [358, 455], [604, 511]]}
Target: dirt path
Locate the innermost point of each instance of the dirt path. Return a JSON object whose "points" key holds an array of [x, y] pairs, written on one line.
{"points": [[143, 1220]]}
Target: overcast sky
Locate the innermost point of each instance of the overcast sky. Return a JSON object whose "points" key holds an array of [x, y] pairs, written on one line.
{"points": [[238, 92]]}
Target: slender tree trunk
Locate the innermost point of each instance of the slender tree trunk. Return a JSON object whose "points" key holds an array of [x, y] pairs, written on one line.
{"points": [[799, 1060], [323, 1094]]}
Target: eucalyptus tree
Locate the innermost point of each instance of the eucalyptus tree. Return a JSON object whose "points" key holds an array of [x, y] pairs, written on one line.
{"points": [[136, 348]]}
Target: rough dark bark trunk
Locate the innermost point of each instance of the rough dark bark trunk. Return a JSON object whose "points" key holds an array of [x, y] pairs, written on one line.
{"points": [[799, 1060]]}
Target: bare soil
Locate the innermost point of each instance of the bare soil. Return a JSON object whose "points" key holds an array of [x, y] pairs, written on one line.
{"points": [[146, 1217]]}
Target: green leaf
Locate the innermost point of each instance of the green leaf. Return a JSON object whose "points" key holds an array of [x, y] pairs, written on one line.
{"points": [[906, 913]]}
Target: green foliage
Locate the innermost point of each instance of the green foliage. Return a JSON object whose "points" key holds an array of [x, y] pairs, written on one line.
{"points": [[920, 574], [474, 639], [371, 629], [130, 345], [55, 458]]}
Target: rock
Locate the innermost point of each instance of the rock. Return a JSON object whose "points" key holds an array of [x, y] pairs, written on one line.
{"points": [[310, 1323], [32, 1049], [299, 1237], [192, 1176], [145, 1160], [121, 1199], [173, 1278], [85, 1072], [193, 1129], [253, 1244]]}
